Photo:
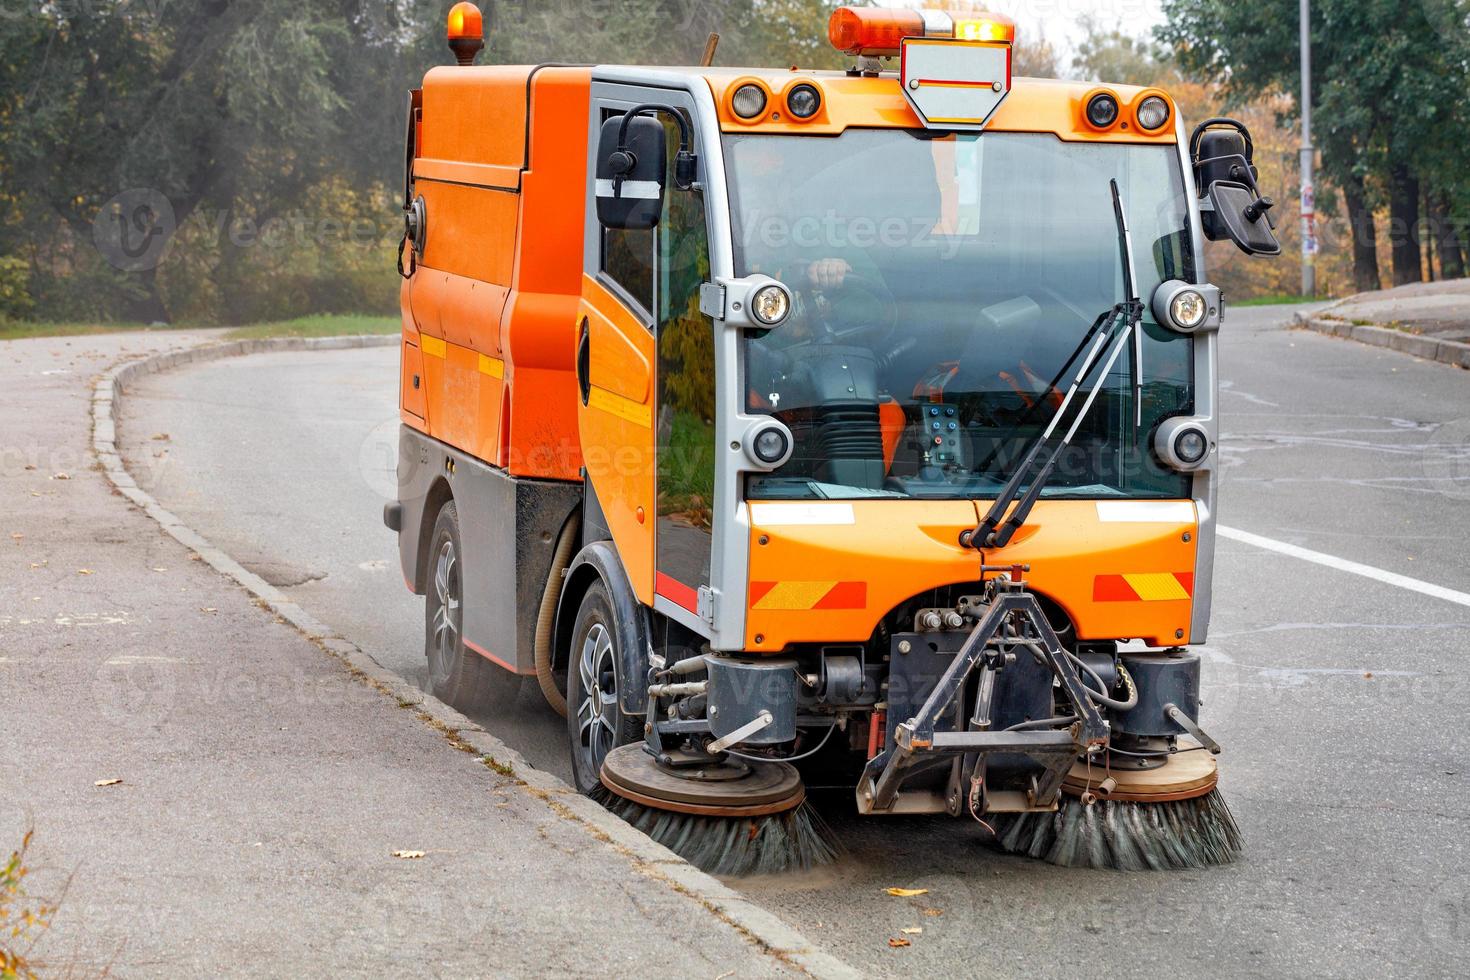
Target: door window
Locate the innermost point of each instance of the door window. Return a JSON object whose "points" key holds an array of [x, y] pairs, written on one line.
{"points": [[686, 386]]}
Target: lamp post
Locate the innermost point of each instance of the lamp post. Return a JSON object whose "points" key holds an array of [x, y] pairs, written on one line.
{"points": [[1309, 203]]}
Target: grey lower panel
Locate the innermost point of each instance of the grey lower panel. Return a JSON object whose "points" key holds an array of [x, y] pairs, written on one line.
{"points": [[508, 531]]}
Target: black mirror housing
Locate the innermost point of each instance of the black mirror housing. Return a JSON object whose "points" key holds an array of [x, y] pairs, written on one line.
{"points": [[632, 171], [1225, 175]]}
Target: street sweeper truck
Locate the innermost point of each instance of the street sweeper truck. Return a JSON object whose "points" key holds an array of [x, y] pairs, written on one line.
{"points": [[827, 429]]}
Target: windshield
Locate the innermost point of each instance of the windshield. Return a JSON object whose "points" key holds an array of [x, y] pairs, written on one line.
{"points": [[942, 284]]}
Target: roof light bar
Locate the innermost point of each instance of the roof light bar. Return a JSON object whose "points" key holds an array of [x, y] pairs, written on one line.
{"points": [[877, 32]]}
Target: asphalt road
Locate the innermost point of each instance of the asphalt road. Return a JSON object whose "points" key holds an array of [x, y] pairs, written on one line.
{"points": [[1340, 698]]}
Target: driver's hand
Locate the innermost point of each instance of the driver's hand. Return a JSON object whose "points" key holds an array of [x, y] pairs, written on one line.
{"points": [[828, 273]]}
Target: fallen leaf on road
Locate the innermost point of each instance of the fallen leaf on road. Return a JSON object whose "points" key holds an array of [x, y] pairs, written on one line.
{"points": [[408, 855], [907, 892], [16, 535], [162, 437], [899, 943], [61, 476], [85, 571], [208, 609], [1368, 676], [107, 782], [913, 931], [931, 912]]}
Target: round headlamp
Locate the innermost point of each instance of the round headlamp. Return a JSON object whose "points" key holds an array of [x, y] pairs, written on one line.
{"points": [[768, 444], [1183, 444], [1191, 446], [1102, 110], [770, 304], [1153, 112], [804, 101], [1188, 309], [749, 101]]}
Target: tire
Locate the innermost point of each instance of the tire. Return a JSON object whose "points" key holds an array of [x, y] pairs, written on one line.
{"points": [[457, 675], [596, 723]]}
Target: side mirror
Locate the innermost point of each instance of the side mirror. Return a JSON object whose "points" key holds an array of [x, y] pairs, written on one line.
{"points": [[632, 168], [1225, 176]]}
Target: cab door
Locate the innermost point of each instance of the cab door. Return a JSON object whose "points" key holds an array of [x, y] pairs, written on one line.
{"points": [[646, 366]]}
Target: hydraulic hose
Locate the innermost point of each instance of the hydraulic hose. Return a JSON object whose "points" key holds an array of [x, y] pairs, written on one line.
{"points": [[546, 617], [1102, 698]]}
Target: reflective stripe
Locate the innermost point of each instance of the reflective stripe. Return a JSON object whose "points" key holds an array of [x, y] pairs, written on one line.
{"points": [[1145, 511], [433, 346], [1143, 587], [633, 190], [800, 596], [492, 366], [624, 408]]}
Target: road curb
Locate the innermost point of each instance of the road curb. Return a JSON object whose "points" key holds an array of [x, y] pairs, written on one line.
{"points": [[1429, 348], [760, 926]]}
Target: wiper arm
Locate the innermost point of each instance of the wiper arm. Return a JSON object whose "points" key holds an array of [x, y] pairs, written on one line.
{"points": [[996, 530], [1103, 320], [1130, 287]]}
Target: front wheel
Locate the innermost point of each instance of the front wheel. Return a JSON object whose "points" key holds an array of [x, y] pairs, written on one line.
{"points": [[457, 675], [596, 723]]}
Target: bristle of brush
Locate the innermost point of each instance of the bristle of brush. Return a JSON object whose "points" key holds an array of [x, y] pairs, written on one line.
{"points": [[733, 847], [1124, 836]]}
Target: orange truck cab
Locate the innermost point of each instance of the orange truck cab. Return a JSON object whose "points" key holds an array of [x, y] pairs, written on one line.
{"points": [[738, 403]]}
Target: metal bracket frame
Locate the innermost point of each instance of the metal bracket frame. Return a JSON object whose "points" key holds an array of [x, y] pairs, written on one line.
{"points": [[916, 738]]}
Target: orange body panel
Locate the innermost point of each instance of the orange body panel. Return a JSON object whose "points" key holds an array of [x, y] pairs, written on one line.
{"points": [[497, 291], [617, 430], [808, 560], [1034, 105]]}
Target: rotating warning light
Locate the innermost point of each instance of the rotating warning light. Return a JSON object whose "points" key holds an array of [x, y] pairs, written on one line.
{"points": [[876, 32], [466, 32]]}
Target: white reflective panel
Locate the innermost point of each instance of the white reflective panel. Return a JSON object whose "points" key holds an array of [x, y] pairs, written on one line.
{"points": [[798, 515], [1145, 511]]}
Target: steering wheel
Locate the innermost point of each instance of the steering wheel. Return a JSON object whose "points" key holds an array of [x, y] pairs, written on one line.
{"points": [[873, 301]]}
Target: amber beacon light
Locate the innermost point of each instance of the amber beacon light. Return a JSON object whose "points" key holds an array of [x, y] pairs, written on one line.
{"points": [[879, 32], [466, 29]]}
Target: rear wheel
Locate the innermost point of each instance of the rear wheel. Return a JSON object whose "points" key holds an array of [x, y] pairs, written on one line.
{"points": [[457, 675], [596, 723]]}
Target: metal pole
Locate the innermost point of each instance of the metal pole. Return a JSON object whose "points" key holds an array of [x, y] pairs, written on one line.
{"points": [[1309, 203]]}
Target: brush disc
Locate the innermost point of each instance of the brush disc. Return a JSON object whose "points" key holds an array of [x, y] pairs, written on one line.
{"points": [[716, 790], [1185, 776]]}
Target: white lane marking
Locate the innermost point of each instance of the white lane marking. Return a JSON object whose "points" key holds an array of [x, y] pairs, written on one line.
{"points": [[1343, 565]]}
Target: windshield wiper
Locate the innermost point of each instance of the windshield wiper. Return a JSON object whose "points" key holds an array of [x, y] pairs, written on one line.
{"points": [[996, 529]]}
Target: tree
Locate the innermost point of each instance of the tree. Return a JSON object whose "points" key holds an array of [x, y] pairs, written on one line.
{"points": [[1386, 82]]}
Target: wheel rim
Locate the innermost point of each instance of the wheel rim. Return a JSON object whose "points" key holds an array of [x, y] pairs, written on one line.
{"points": [[444, 628], [597, 715]]}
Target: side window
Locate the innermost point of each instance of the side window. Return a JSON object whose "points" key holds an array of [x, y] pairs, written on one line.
{"points": [[686, 387]]}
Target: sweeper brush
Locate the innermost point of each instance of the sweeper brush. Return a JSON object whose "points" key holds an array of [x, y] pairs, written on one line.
{"points": [[1172, 818], [725, 818]]}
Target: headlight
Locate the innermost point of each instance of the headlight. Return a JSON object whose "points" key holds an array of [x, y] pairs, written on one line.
{"points": [[1102, 110], [1153, 112], [1188, 309], [770, 304], [749, 101], [1183, 444], [1190, 446], [768, 444], [804, 101]]}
